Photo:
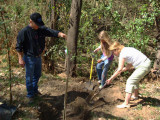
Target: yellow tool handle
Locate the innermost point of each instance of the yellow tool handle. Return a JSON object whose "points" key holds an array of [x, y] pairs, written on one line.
{"points": [[91, 68]]}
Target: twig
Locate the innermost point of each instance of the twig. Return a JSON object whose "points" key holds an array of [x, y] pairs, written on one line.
{"points": [[66, 89]]}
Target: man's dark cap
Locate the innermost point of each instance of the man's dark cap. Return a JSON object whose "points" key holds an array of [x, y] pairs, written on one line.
{"points": [[37, 19]]}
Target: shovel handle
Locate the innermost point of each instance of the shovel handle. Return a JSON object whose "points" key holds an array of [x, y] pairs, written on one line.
{"points": [[92, 54], [91, 68]]}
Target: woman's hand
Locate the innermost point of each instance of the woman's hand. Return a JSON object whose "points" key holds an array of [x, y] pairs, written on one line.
{"points": [[108, 81], [97, 49], [100, 60]]}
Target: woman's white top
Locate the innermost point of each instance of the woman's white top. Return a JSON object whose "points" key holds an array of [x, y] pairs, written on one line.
{"points": [[132, 56]]}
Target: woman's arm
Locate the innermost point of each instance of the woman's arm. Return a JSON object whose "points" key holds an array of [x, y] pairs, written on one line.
{"points": [[118, 71], [128, 66], [97, 49]]}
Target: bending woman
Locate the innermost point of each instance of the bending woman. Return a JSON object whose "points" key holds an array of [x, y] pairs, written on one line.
{"points": [[135, 59]]}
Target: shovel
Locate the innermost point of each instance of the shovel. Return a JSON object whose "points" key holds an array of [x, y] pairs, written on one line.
{"points": [[6, 112], [90, 98], [89, 85]]}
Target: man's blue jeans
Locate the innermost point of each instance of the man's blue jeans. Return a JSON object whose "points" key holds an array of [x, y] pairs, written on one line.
{"points": [[33, 66], [102, 71]]}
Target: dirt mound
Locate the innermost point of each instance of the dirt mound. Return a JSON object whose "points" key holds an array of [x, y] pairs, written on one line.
{"points": [[78, 109], [48, 111], [52, 106], [79, 106], [112, 94]]}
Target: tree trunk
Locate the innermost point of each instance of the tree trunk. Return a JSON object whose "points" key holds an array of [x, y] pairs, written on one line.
{"points": [[157, 60], [72, 45], [53, 14], [50, 62], [73, 35]]}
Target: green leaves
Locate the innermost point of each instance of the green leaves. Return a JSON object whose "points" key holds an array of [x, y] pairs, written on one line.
{"points": [[1, 23], [1, 8], [18, 9]]}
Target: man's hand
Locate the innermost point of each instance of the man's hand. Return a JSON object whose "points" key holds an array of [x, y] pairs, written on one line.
{"points": [[100, 60], [62, 35], [20, 57], [21, 62]]}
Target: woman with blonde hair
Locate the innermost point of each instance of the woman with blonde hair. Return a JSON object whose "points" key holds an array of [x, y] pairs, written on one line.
{"points": [[106, 58], [135, 59]]}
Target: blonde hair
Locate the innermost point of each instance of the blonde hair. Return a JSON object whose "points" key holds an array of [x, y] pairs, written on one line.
{"points": [[116, 45], [103, 36]]}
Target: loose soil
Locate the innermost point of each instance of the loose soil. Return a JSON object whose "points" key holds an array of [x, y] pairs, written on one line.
{"points": [[50, 105]]}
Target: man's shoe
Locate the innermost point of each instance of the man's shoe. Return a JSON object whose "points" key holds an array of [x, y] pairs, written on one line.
{"points": [[30, 100], [38, 94]]}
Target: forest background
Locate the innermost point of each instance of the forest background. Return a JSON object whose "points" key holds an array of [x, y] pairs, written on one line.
{"points": [[132, 23]]}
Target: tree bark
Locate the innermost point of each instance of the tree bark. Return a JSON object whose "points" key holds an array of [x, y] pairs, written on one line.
{"points": [[53, 17], [157, 60], [73, 35], [72, 44], [53, 14]]}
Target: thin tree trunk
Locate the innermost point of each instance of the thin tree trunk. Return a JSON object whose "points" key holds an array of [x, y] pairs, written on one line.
{"points": [[53, 26], [157, 60], [53, 17], [72, 44], [53, 14]]}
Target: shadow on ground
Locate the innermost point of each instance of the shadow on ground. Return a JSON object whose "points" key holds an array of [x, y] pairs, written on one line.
{"points": [[149, 101]]}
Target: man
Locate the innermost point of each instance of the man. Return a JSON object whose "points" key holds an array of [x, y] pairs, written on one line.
{"points": [[30, 45]]}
